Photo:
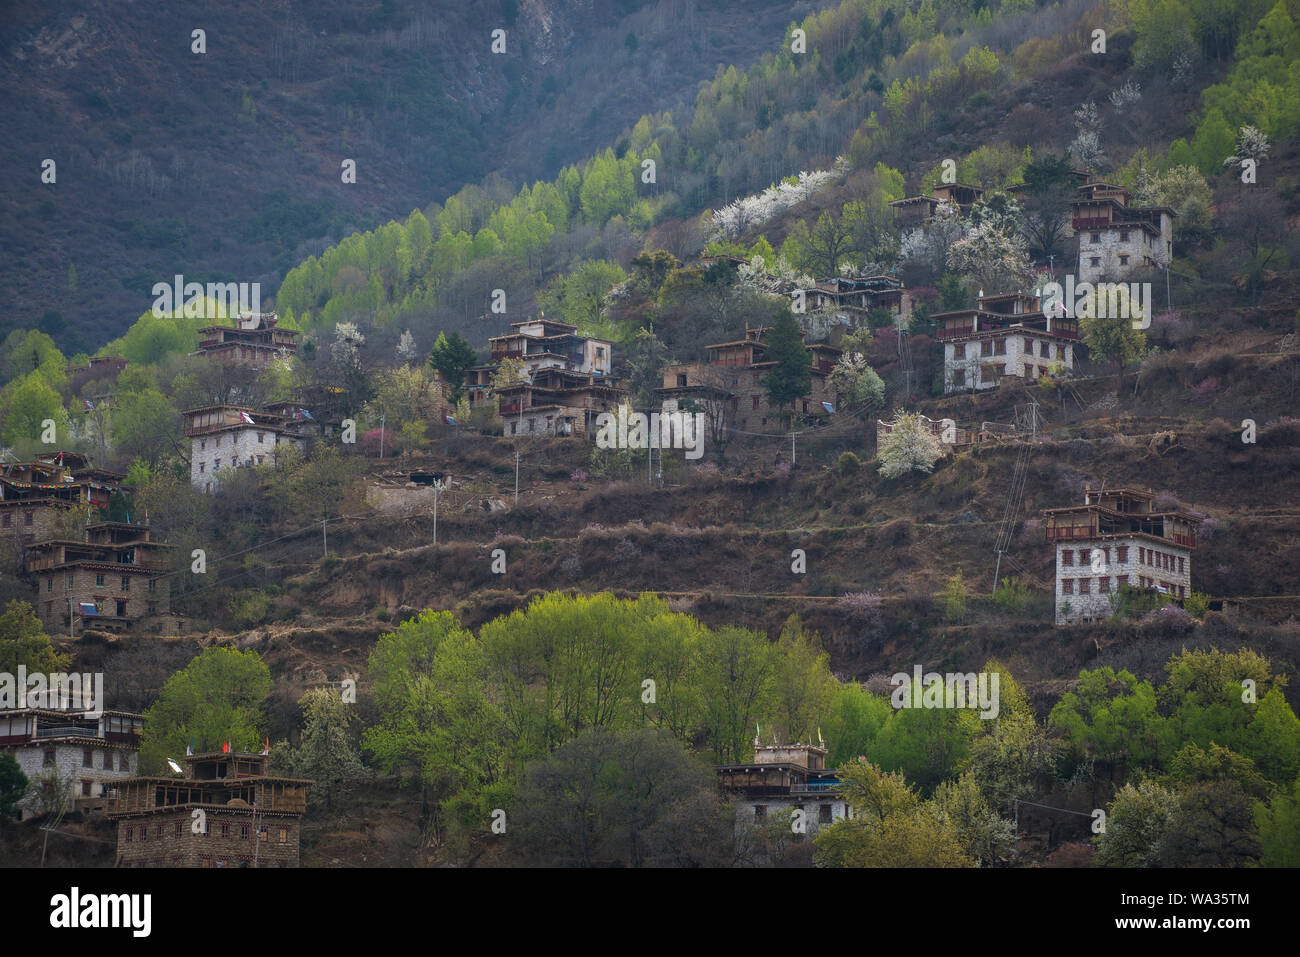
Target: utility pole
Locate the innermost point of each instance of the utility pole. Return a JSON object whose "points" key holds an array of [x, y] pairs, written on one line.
{"points": [[997, 570], [381, 436], [72, 624], [325, 539], [438, 486], [516, 477], [792, 458]]}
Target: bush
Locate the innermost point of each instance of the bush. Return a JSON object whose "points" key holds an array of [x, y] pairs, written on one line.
{"points": [[249, 608], [1012, 594], [1197, 604], [847, 464]]}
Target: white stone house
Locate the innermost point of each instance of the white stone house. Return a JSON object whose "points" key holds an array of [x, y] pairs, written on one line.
{"points": [[86, 754], [230, 437], [1003, 337], [1115, 238], [783, 780], [1116, 538]]}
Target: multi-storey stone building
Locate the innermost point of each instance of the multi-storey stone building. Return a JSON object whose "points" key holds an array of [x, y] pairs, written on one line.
{"points": [[35, 496], [567, 379], [86, 754], [1003, 337], [855, 297], [730, 383], [115, 576], [781, 780], [1115, 238], [913, 212], [1117, 538], [227, 810], [231, 437], [256, 340]]}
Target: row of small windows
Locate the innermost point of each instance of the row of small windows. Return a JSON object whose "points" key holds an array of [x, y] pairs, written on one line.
{"points": [[140, 833], [1146, 556], [101, 581], [1083, 586], [7, 519], [203, 443]]}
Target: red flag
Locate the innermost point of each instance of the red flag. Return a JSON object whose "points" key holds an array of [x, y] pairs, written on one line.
{"points": [[225, 747], [267, 749]]}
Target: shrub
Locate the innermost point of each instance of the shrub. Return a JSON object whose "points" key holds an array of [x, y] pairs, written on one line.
{"points": [[1012, 594], [1197, 604], [848, 464]]}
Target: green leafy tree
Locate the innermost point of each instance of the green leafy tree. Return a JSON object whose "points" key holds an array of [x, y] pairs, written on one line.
{"points": [[13, 785], [453, 357], [954, 598], [437, 721], [1110, 717], [890, 827], [217, 697], [791, 378], [23, 641], [1139, 817], [1278, 823], [146, 426], [803, 688], [1112, 337]]}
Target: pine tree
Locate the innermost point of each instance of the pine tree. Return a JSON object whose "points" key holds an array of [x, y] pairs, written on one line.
{"points": [[791, 379]]}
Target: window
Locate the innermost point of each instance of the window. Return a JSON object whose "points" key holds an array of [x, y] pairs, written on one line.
{"points": [[1029, 346], [1045, 349], [160, 834], [1121, 581], [152, 608], [261, 437], [284, 835], [130, 834], [1067, 586], [1123, 260], [225, 830], [203, 444], [203, 467], [1067, 557], [262, 833], [1083, 586], [108, 760], [754, 398], [88, 758], [824, 814], [1103, 584], [1095, 262], [1096, 237], [243, 832], [1083, 556], [6, 520], [99, 581], [48, 759], [85, 789], [760, 812], [1121, 553], [1123, 237], [178, 826], [49, 584], [144, 833], [126, 583], [986, 347]]}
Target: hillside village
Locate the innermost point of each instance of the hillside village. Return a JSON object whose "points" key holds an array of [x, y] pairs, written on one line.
{"points": [[725, 512]]}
